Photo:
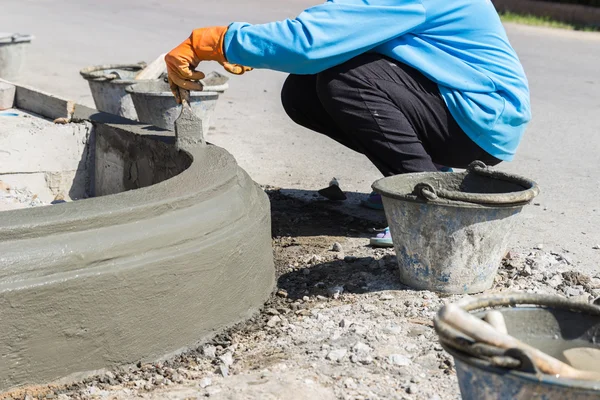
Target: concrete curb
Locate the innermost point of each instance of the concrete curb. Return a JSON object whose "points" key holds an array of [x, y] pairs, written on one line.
{"points": [[135, 275]]}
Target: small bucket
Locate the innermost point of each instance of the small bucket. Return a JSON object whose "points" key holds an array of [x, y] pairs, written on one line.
{"points": [[552, 324], [451, 230], [13, 52], [108, 84], [156, 105]]}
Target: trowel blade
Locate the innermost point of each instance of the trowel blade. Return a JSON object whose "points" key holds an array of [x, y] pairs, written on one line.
{"points": [[188, 127], [584, 358], [333, 193]]}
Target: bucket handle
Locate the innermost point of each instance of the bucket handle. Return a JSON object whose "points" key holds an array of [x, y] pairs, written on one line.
{"points": [[513, 358], [95, 73], [429, 193]]}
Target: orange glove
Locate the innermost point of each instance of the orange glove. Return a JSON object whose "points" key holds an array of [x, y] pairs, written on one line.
{"points": [[204, 44]]}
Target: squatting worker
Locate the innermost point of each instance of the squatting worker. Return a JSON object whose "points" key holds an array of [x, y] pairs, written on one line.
{"points": [[414, 85]]}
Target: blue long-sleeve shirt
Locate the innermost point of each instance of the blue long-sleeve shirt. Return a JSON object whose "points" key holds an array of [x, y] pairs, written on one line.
{"points": [[459, 44]]}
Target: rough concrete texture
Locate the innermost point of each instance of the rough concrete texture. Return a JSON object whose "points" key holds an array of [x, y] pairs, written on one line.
{"points": [[126, 161], [128, 276], [47, 159], [137, 275]]}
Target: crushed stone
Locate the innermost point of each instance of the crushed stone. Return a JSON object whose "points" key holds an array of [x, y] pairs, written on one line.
{"points": [[12, 198], [372, 340]]}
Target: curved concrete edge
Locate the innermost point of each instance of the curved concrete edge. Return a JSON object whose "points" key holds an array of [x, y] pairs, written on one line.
{"points": [[132, 276]]}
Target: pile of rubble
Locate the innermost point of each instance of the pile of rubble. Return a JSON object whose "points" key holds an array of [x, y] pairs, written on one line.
{"points": [[12, 198], [340, 325]]}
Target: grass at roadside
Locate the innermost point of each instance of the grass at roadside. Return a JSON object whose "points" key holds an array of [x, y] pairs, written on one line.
{"points": [[528, 19]]}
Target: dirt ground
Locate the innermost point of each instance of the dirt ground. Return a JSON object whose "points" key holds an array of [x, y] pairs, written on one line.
{"points": [[340, 325]]}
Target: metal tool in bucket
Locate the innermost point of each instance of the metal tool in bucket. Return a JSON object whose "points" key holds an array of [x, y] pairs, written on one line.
{"points": [[527, 360], [451, 230]]}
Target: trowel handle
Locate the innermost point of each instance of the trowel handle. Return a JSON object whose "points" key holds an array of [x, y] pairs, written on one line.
{"points": [[481, 331], [184, 95]]}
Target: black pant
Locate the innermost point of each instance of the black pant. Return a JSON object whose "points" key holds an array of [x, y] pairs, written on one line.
{"points": [[385, 110]]}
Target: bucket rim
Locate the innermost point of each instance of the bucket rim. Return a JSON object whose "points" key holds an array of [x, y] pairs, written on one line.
{"points": [[473, 304], [426, 193], [412, 198], [529, 377], [131, 89], [94, 72], [14, 38]]}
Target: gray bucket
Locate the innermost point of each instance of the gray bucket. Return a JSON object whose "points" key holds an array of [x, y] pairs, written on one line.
{"points": [[156, 105], [108, 83], [550, 323], [13, 52], [451, 230]]}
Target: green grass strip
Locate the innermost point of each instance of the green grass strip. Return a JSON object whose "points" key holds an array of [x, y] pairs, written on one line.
{"points": [[528, 19]]}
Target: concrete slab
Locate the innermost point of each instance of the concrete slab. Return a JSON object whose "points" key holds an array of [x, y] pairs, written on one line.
{"points": [[47, 159], [32, 144]]}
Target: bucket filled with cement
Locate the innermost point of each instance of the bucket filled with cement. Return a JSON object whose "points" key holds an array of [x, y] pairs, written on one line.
{"points": [[13, 53], [155, 104], [108, 83], [523, 347], [451, 230]]}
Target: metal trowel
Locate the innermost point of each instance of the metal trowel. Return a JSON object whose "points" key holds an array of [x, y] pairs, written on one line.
{"points": [[585, 358], [188, 127], [333, 191]]}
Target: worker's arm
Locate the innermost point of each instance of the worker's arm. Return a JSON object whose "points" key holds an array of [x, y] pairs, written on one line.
{"points": [[322, 36]]}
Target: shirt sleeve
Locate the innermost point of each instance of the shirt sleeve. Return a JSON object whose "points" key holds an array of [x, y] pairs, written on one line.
{"points": [[322, 36]]}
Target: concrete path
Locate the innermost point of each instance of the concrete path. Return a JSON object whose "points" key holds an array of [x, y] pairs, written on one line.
{"points": [[560, 149]]}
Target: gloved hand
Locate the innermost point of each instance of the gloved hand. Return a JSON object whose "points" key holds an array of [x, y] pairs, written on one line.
{"points": [[204, 44]]}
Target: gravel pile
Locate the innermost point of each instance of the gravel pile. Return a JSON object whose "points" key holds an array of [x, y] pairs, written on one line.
{"points": [[12, 198]]}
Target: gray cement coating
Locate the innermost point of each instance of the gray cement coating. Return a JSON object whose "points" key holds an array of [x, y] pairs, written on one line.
{"points": [[560, 149], [135, 275]]}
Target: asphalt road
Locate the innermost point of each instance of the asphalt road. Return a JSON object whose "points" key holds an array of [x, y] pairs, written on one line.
{"points": [[560, 149]]}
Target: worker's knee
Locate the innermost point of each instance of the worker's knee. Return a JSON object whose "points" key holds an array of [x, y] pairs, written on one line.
{"points": [[287, 95]]}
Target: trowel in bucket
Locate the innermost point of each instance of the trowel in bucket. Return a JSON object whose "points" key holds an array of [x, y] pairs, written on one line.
{"points": [[188, 126]]}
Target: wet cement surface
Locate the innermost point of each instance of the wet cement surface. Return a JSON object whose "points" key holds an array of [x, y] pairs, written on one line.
{"points": [[95, 283]]}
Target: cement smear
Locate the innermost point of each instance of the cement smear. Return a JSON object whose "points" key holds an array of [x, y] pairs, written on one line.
{"points": [[137, 275]]}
